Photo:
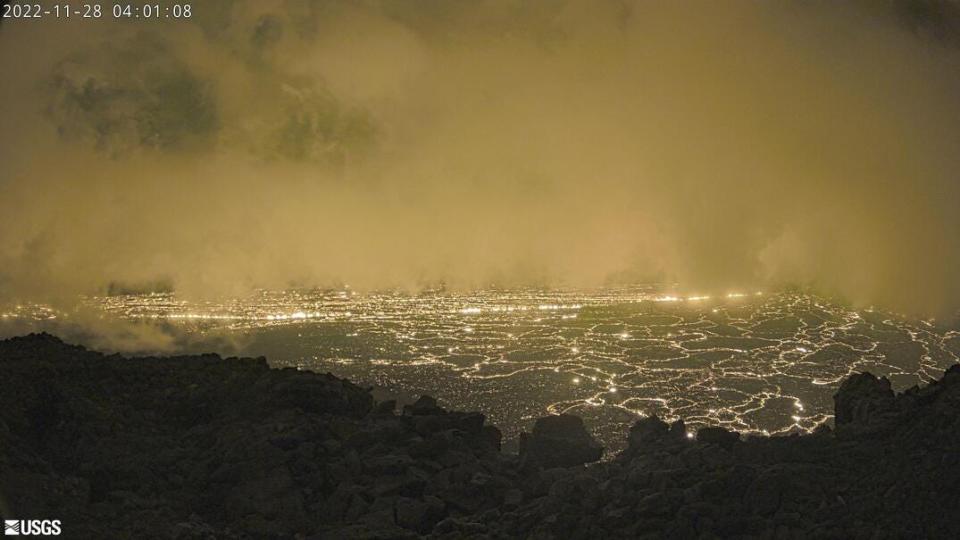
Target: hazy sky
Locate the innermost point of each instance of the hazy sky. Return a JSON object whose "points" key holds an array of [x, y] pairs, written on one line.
{"points": [[724, 145]]}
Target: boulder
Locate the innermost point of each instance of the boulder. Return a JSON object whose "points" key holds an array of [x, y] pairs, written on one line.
{"points": [[647, 430], [492, 436], [718, 436], [419, 515], [678, 431], [385, 408], [424, 406], [862, 396], [559, 441], [651, 431]]}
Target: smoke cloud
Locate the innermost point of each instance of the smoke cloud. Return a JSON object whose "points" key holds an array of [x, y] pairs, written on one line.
{"points": [[395, 144]]}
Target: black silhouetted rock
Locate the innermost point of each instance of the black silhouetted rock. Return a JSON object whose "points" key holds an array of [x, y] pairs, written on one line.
{"points": [[647, 430], [425, 405], [861, 396], [385, 408], [649, 434], [678, 430], [492, 435], [718, 435], [419, 514], [205, 447], [559, 441]]}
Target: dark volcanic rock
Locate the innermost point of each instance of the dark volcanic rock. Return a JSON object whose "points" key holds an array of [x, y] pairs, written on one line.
{"points": [[204, 447], [559, 441], [651, 431], [719, 436], [862, 396], [646, 431], [426, 405]]}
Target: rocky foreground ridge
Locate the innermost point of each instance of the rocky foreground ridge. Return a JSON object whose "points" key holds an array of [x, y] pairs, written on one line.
{"points": [[204, 447]]}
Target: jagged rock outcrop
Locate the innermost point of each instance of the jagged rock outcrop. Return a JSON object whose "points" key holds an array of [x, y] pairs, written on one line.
{"points": [[652, 432], [861, 397], [559, 441], [719, 436], [205, 447]]}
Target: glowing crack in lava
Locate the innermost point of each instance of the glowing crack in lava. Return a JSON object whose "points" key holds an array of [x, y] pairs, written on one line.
{"points": [[762, 363]]}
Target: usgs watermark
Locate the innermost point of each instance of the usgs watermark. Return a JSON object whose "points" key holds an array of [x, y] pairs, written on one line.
{"points": [[31, 527]]}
